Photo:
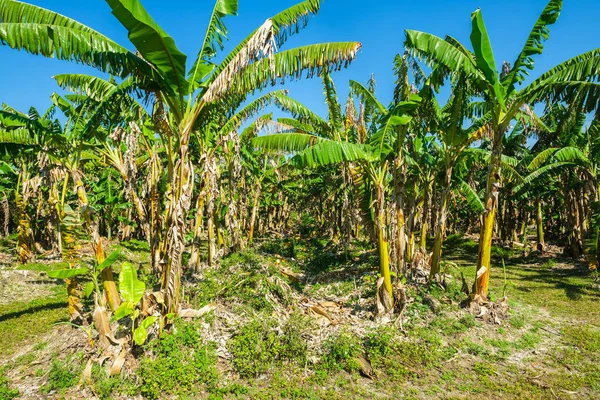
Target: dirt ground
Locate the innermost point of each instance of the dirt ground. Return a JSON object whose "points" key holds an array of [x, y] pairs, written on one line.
{"points": [[547, 345]]}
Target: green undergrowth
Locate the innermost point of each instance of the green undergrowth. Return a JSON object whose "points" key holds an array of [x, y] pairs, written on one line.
{"points": [[43, 267], [548, 343], [63, 374], [246, 280], [178, 363], [261, 345], [25, 320], [7, 392]]}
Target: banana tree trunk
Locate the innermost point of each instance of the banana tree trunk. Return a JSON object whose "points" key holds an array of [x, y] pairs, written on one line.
{"points": [[194, 262], [255, 198], [425, 214], [440, 229], [179, 200], [399, 182], [110, 288], [413, 217], [210, 224], [5, 215], [487, 227], [540, 226], [382, 241], [25, 239], [154, 210]]}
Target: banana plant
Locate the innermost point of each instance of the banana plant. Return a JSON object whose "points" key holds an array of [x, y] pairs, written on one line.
{"points": [[566, 156], [184, 102], [315, 144], [503, 96]]}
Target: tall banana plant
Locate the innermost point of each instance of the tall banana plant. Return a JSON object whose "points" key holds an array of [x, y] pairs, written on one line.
{"points": [[184, 102], [28, 139], [566, 159], [504, 97], [454, 138], [315, 144]]}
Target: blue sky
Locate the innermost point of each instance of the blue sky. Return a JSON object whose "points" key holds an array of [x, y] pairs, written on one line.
{"points": [[25, 80]]}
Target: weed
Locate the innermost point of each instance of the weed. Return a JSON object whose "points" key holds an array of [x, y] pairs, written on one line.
{"points": [[63, 375], [528, 341], [258, 345], [503, 347], [484, 369], [340, 352], [6, 393], [452, 326], [182, 364], [517, 321], [583, 337], [244, 278]]}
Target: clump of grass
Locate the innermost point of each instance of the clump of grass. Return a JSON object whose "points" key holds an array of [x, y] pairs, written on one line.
{"points": [[340, 352], [105, 387], [63, 374], [583, 337], [475, 349], [244, 278], [517, 321], [259, 345], [6, 392], [484, 369], [182, 364], [452, 326], [529, 340]]}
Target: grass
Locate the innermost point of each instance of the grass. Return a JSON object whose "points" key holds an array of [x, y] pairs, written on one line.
{"points": [[6, 391], [550, 340], [23, 321]]}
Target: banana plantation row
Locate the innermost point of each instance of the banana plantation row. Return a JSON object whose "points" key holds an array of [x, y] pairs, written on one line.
{"points": [[185, 157]]}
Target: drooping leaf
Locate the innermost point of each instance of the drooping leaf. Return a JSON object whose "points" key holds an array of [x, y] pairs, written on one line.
{"points": [[153, 43], [286, 142], [471, 196], [67, 273], [109, 261], [72, 43], [331, 152], [546, 170], [251, 109], [291, 64], [367, 97], [533, 46], [333, 105], [573, 155], [436, 49]]}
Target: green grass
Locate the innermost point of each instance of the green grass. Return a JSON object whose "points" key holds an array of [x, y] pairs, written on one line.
{"points": [[261, 345], [551, 337], [22, 321], [6, 391]]}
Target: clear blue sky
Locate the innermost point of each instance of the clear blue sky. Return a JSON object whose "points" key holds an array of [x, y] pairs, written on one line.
{"points": [[25, 79]]}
